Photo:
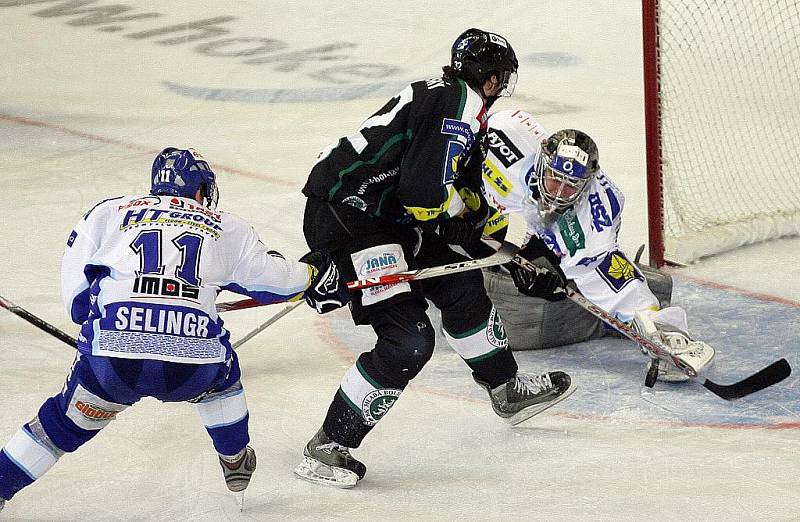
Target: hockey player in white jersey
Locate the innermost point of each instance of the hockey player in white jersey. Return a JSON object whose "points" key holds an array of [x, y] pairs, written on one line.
{"points": [[140, 274], [556, 183]]}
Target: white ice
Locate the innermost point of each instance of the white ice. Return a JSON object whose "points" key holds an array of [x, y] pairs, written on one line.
{"points": [[87, 101]]}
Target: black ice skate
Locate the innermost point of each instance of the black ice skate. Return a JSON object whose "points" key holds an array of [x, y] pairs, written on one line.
{"points": [[524, 396], [239, 472], [327, 462]]}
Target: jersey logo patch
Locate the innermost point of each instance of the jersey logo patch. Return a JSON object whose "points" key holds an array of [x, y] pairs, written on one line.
{"points": [[617, 271], [457, 128], [600, 218], [503, 147], [495, 178], [571, 232], [72, 238], [455, 147]]}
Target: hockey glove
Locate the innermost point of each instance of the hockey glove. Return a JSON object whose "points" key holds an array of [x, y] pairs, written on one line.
{"points": [[466, 229], [538, 274], [327, 290]]}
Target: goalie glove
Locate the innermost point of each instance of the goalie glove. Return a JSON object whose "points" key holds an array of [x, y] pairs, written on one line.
{"points": [[538, 273], [327, 290], [668, 326]]}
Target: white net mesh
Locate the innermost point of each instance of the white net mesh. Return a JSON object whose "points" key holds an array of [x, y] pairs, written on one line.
{"points": [[730, 110]]}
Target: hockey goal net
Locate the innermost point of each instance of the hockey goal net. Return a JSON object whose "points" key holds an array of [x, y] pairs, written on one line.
{"points": [[722, 111]]}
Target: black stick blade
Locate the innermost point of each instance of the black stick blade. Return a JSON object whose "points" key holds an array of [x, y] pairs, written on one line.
{"points": [[772, 374]]}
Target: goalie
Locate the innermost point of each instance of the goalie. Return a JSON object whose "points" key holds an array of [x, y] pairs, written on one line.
{"points": [[556, 183]]}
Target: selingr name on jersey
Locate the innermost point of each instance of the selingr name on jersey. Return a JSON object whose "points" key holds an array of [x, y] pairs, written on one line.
{"points": [[183, 323]]}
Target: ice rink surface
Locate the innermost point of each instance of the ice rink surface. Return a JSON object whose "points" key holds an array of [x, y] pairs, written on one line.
{"points": [[90, 91]]}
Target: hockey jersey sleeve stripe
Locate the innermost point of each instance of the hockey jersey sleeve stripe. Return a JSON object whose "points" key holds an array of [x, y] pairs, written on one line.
{"points": [[463, 101], [391, 142]]}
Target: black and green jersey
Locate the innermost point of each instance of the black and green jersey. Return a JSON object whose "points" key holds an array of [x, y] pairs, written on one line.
{"points": [[401, 163]]}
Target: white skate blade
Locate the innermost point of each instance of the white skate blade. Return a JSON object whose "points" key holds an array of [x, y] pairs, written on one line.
{"points": [[240, 500], [536, 409], [315, 471]]}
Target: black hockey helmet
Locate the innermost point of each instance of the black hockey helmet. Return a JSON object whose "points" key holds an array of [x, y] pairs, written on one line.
{"points": [[477, 54]]}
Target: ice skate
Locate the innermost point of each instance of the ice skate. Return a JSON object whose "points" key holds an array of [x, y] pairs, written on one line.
{"points": [[524, 396], [2, 503], [327, 462], [238, 473]]}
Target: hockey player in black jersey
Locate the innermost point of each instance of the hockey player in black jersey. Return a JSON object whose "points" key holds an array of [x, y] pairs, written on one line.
{"points": [[392, 196]]}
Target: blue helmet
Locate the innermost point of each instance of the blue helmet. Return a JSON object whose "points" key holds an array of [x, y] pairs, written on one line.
{"points": [[181, 172]]}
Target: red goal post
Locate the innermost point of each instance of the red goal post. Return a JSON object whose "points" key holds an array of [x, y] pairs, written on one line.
{"points": [[722, 123]]}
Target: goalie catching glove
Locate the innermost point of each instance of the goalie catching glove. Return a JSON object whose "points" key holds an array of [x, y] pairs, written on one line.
{"points": [[668, 326], [327, 290], [537, 273]]}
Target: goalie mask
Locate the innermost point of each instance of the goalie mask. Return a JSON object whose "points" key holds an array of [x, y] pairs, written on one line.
{"points": [[566, 165], [181, 172], [477, 55]]}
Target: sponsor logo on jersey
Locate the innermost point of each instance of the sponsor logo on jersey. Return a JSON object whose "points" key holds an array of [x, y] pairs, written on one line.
{"points": [[503, 147], [140, 202], [355, 202], [456, 128], [85, 409], [617, 271], [600, 217], [72, 237], [495, 331], [181, 204], [571, 232], [495, 178], [382, 261], [552, 243], [193, 218], [497, 222], [155, 285], [377, 403], [454, 150], [383, 176], [94, 412]]}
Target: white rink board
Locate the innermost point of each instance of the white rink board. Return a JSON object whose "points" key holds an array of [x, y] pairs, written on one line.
{"points": [[86, 103]]}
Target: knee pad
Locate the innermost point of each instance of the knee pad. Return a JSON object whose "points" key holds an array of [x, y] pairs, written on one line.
{"points": [[405, 344]]}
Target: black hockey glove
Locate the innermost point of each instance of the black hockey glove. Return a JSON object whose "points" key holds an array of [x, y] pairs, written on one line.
{"points": [[327, 291], [541, 275], [466, 229]]}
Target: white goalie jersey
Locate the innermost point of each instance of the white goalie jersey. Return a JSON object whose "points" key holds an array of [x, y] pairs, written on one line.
{"points": [[583, 237], [141, 274]]}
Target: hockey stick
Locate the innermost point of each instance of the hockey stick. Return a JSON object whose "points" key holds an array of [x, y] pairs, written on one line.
{"points": [[37, 322], [504, 254], [766, 377], [268, 322]]}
